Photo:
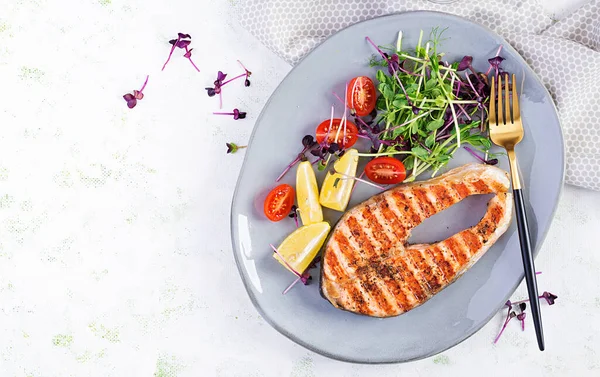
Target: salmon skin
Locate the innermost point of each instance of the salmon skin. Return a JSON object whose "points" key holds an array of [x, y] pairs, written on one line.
{"points": [[369, 268]]}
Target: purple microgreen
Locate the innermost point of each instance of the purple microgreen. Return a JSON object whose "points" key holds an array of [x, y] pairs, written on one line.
{"points": [[549, 297], [294, 215], [522, 306], [233, 147], [393, 73], [182, 41], [132, 99], [308, 142], [538, 272], [465, 63], [521, 317], [509, 316], [237, 114], [491, 66], [235, 78], [492, 161], [188, 55], [248, 74]]}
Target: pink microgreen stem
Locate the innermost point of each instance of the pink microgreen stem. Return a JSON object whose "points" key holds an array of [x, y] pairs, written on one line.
{"points": [[462, 109], [171, 53], [497, 54], [235, 78], [522, 301], [354, 187], [346, 177], [291, 165], [245, 69], [188, 55], [378, 50], [291, 286], [145, 82], [508, 318], [285, 262], [339, 99]]}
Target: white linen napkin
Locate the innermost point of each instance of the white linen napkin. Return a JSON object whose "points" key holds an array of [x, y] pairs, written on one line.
{"points": [[565, 54]]}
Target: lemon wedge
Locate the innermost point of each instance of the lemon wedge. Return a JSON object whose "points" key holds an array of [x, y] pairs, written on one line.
{"points": [[301, 247], [338, 197], [307, 192]]}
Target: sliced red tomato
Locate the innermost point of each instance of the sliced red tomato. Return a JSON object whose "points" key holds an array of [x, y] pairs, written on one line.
{"points": [[385, 170], [323, 131], [361, 95], [279, 202]]}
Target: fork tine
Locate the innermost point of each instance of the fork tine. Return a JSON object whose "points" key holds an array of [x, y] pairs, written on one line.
{"points": [[492, 113], [507, 101], [515, 109], [500, 110]]}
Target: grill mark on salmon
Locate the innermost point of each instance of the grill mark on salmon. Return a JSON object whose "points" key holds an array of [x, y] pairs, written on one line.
{"points": [[368, 267], [370, 259], [405, 207], [427, 271]]}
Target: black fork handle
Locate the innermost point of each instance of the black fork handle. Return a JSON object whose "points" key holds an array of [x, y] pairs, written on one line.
{"points": [[529, 267]]}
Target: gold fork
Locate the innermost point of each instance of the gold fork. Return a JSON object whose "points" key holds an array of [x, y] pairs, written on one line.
{"points": [[506, 131]]}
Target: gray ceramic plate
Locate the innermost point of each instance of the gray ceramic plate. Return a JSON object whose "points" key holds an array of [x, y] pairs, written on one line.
{"points": [[301, 102]]}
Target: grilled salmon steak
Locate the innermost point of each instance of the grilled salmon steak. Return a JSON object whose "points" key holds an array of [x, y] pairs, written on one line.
{"points": [[367, 265]]}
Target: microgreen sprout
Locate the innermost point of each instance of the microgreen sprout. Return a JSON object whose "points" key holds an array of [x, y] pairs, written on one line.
{"points": [[308, 142], [522, 305], [492, 161], [294, 214], [237, 114], [233, 147], [304, 277], [426, 109], [183, 41], [248, 74], [132, 99], [220, 82], [494, 61], [216, 89]]}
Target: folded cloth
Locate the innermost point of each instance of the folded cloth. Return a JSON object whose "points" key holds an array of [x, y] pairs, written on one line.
{"points": [[565, 54]]}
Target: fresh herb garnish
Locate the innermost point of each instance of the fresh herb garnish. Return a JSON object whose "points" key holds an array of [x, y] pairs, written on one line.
{"points": [[521, 305], [132, 98], [233, 147], [237, 114], [294, 215], [220, 82], [183, 41], [426, 110]]}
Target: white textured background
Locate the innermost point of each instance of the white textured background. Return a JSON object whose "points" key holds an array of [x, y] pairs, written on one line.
{"points": [[115, 256]]}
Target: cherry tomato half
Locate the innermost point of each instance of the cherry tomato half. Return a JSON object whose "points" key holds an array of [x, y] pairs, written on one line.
{"points": [[361, 95], [279, 202], [351, 132], [385, 170]]}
